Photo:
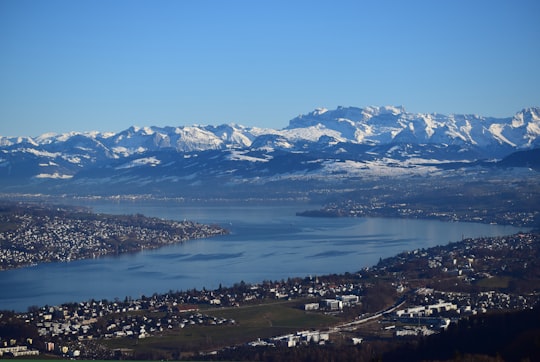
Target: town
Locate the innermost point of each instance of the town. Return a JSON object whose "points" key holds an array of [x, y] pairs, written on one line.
{"points": [[380, 208], [31, 234], [411, 295], [496, 201]]}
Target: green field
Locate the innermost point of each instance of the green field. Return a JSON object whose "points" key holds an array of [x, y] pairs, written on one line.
{"points": [[497, 282], [262, 321]]}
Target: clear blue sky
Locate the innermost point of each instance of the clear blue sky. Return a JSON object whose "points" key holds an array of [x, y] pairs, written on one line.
{"points": [[106, 65]]}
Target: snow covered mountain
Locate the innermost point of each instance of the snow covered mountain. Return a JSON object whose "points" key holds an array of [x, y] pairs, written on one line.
{"points": [[382, 125], [345, 142]]}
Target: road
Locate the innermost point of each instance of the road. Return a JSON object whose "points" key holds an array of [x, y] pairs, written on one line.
{"points": [[349, 326]]}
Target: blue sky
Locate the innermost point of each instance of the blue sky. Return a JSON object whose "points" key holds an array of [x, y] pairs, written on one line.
{"points": [[106, 65]]}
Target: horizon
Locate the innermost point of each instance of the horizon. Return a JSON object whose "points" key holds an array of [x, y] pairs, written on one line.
{"points": [[85, 66]]}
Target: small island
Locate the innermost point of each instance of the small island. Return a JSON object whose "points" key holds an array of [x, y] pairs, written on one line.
{"points": [[37, 233]]}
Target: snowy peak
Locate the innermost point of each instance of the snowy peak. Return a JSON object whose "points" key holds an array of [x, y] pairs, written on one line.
{"points": [[365, 126], [322, 144], [232, 135], [528, 118], [382, 125], [531, 114]]}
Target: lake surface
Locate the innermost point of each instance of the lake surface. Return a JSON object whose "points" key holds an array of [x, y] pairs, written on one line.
{"points": [[267, 242]]}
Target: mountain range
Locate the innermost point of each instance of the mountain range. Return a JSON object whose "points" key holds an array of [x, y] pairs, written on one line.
{"points": [[328, 145]]}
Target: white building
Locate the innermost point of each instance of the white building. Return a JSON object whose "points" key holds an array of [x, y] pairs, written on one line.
{"points": [[311, 306]]}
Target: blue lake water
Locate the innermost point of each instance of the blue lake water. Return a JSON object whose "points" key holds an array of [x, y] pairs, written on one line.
{"points": [[267, 242]]}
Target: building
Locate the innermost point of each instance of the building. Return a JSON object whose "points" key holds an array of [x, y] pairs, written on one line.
{"points": [[17, 351], [311, 306], [332, 304]]}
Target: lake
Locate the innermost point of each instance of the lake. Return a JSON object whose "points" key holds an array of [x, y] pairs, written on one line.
{"points": [[267, 242]]}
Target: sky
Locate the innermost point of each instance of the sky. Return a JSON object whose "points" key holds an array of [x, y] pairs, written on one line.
{"points": [[107, 65]]}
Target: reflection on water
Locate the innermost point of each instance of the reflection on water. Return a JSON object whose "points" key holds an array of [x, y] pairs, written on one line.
{"points": [[329, 254], [266, 243], [219, 256]]}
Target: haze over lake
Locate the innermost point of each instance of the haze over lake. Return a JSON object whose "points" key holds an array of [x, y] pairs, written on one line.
{"points": [[267, 242]]}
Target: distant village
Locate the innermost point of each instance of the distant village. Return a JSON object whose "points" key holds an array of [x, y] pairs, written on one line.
{"points": [[31, 235], [416, 293], [383, 208]]}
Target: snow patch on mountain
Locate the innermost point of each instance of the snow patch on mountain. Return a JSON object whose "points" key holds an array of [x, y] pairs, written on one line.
{"points": [[54, 175], [533, 131], [271, 142], [120, 151], [232, 135], [497, 132], [40, 153], [196, 139], [50, 163], [74, 159], [312, 133], [145, 161], [237, 155], [385, 167], [11, 141]]}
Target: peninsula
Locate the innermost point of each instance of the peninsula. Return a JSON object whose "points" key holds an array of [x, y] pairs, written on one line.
{"points": [[38, 233]]}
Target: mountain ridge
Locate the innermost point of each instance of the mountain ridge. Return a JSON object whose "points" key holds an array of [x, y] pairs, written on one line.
{"points": [[323, 144], [354, 124]]}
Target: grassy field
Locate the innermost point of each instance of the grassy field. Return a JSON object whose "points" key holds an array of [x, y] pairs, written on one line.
{"points": [[259, 320], [495, 282]]}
